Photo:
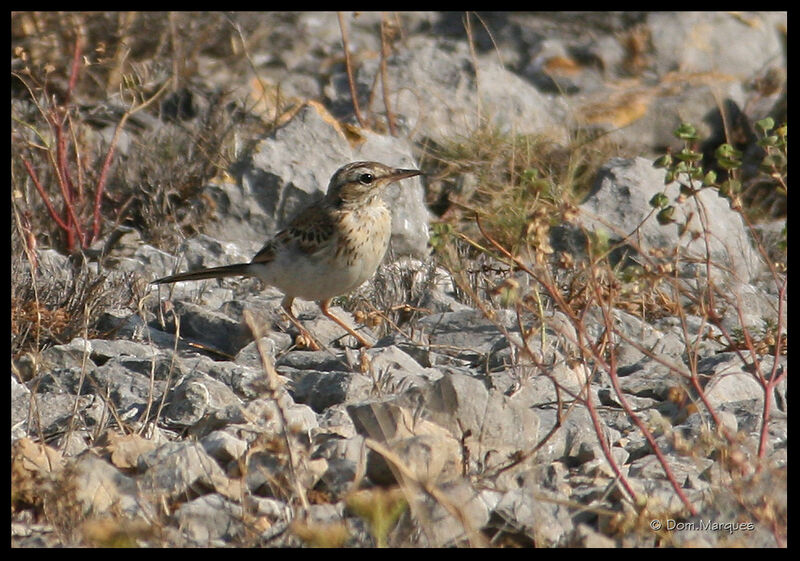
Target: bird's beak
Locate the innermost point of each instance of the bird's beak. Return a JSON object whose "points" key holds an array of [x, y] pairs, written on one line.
{"points": [[398, 174]]}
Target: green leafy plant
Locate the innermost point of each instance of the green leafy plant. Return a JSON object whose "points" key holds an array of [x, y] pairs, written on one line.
{"points": [[686, 168]]}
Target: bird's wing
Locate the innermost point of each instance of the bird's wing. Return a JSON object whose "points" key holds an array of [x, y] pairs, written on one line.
{"points": [[310, 231]]}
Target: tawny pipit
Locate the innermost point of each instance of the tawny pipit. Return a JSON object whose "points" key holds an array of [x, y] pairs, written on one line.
{"points": [[328, 249]]}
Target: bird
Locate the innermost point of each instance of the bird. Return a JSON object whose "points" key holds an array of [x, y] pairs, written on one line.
{"points": [[328, 249]]}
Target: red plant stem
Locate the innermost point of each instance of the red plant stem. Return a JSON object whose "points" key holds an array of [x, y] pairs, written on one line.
{"points": [[62, 169], [73, 74], [65, 182], [762, 440], [767, 386], [774, 378], [612, 374], [61, 157], [598, 430], [101, 181], [691, 377], [53, 214], [611, 368], [63, 177]]}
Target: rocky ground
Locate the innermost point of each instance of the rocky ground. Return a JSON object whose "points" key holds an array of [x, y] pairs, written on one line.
{"points": [[472, 420]]}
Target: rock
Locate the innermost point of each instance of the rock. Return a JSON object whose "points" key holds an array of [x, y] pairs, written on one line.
{"points": [[210, 520], [268, 473], [619, 204], [585, 536], [250, 357], [714, 42], [266, 420], [426, 450], [344, 456], [467, 335], [443, 528], [491, 426], [198, 397], [223, 447], [176, 468], [210, 328], [439, 89], [129, 391], [320, 390], [101, 489], [546, 522]]}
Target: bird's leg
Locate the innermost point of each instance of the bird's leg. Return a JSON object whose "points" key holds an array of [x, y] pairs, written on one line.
{"points": [[287, 307], [324, 307]]}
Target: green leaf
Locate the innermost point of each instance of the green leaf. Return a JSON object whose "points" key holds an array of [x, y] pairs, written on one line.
{"points": [[686, 132], [730, 187], [663, 162], [728, 157], [727, 151], [697, 173], [772, 162], [530, 174], [771, 140], [659, 200], [766, 124], [729, 164], [687, 155], [665, 215]]}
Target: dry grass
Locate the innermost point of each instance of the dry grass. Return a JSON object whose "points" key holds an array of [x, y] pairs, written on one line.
{"points": [[109, 131]]}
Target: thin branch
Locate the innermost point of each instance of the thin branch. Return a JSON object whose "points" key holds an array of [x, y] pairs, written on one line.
{"points": [[101, 182], [74, 70], [385, 48], [274, 384], [53, 214], [348, 65]]}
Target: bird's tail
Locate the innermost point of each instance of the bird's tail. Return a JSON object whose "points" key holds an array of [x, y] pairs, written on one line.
{"points": [[239, 269]]}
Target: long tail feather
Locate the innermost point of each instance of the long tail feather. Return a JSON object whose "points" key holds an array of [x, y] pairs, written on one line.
{"points": [[239, 269]]}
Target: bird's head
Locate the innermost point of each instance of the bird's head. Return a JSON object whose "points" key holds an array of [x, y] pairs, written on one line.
{"points": [[358, 183]]}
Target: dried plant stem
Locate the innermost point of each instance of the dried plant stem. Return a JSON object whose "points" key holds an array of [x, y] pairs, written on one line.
{"points": [[385, 48], [101, 182], [273, 386], [349, 67], [169, 373], [609, 367], [84, 358]]}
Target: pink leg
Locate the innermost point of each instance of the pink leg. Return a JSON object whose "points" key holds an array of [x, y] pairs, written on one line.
{"points": [[287, 307], [324, 307]]}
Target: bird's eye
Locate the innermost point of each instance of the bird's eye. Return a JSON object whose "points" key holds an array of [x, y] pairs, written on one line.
{"points": [[366, 178]]}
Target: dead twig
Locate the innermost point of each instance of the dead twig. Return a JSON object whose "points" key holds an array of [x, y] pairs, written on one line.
{"points": [[349, 67]]}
